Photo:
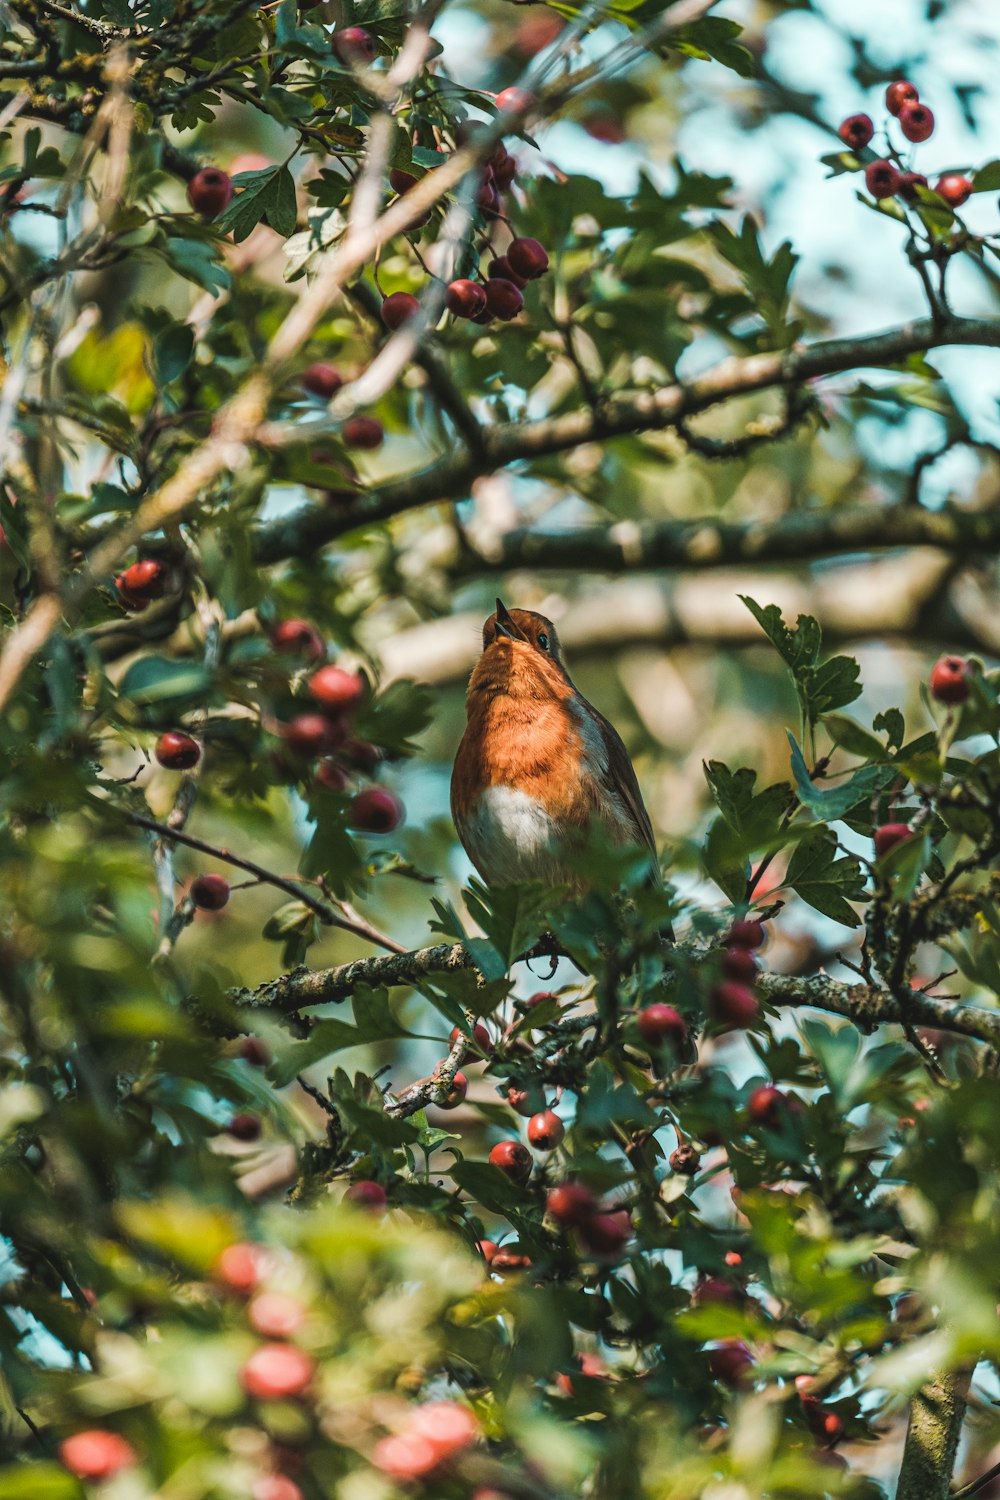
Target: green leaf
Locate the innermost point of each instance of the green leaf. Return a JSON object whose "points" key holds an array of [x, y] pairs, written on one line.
{"points": [[172, 350], [987, 179], [158, 679], [833, 802], [904, 864], [820, 688], [489, 1186], [825, 881], [852, 736], [38, 1481], [798, 647]]}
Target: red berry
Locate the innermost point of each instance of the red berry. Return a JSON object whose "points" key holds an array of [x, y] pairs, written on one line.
{"points": [[210, 891], [606, 1234], [401, 181], [209, 191], [729, 1361], [527, 258], [361, 755], [398, 308], [276, 1371], [375, 811], [404, 1456], [740, 964], [589, 1365], [746, 932], [950, 680], [504, 172], [952, 187], [856, 131], [513, 1158], [889, 835], [275, 1487], [899, 93], [363, 432], [354, 45], [245, 1127], [276, 1315], [766, 1105], [482, 1040], [337, 690], [457, 1092], [464, 298], [881, 179], [446, 1425], [916, 122], [177, 750], [713, 1289], [515, 99], [908, 184], [367, 1194], [509, 1258], [331, 775], [143, 580], [684, 1160], [503, 299], [255, 1052], [487, 1249], [322, 380], [311, 734], [571, 1203], [546, 1130], [733, 1004], [96, 1453], [500, 268], [487, 198], [241, 1266], [298, 638], [661, 1023]]}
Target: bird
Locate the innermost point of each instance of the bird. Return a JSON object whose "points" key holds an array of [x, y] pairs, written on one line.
{"points": [[538, 765]]}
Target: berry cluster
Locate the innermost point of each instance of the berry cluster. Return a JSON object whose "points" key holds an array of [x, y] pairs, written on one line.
{"points": [[887, 177]]}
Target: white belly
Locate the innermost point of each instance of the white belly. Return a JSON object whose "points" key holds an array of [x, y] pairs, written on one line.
{"points": [[511, 838]]}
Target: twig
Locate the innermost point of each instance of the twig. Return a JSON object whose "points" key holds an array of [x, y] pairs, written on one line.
{"points": [[975, 1485]]}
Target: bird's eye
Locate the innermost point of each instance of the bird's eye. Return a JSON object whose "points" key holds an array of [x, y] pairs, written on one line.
{"points": [[543, 640]]}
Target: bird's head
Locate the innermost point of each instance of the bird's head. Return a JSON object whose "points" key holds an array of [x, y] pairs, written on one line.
{"points": [[520, 647]]}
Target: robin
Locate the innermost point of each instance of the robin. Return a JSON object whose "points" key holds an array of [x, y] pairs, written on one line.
{"points": [[537, 763]]}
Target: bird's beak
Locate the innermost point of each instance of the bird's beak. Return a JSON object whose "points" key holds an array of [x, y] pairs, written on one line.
{"points": [[505, 625]]}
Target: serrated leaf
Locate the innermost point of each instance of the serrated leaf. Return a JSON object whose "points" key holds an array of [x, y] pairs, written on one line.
{"points": [[824, 881], [854, 737], [831, 803]]}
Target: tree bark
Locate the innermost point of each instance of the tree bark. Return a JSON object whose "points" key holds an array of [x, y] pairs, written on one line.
{"points": [[937, 1412]]}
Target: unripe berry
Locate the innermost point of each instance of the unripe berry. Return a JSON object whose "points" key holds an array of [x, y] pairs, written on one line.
{"points": [[363, 432], [337, 690], [733, 1004], [464, 298], [881, 179], [571, 1203], [606, 1235], [398, 308], [515, 99], [766, 1105], [898, 94], [746, 932], [367, 1194], [952, 187], [457, 1092], [856, 131], [503, 299], [950, 680], [177, 750], [513, 1158], [659, 1024], [322, 380], [277, 1371], [546, 1130], [375, 810], [244, 1127], [209, 191], [527, 258], [96, 1453], [210, 891], [916, 122], [889, 835], [298, 638], [354, 45]]}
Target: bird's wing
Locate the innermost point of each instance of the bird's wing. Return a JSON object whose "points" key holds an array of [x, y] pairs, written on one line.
{"points": [[622, 776]]}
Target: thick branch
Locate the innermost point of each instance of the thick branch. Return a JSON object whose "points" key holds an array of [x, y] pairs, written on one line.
{"points": [[451, 477], [937, 1412]]}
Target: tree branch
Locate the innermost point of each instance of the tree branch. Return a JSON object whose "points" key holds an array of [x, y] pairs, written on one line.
{"points": [[937, 1412]]}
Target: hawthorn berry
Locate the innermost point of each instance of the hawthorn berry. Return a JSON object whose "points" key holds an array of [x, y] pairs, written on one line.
{"points": [[661, 1023], [298, 638], [276, 1315], [729, 1361], [322, 380], [457, 1092], [739, 964], [363, 432], [889, 835], [311, 734], [515, 99], [953, 187], [464, 298], [766, 1105], [606, 1234], [177, 751], [745, 932], [96, 1453], [367, 1194], [527, 258], [509, 1258], [916, 122], [501, 269], [401, 181], [331, 775], [255, 1052], [900, 93], [210, 891], [240, 1267], [375, 810], [277, 1371], [244, 1127], [546, 1130], [733, 1004], [487, 1249], [338, 691], [908, 184], [487, 199], [856, 131], [354, 45], [591, 1366], [502, 299], [209, 191], [513, 1158], [571, 1203], [398, 308], [525, 1101], [275, 1487], [504, 171], [143, 581], [950, 680], [481, 1039], [881, 179], [716, 1290]]}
